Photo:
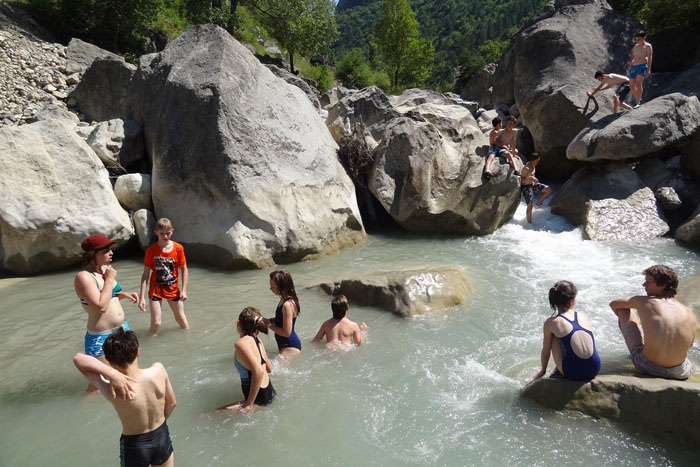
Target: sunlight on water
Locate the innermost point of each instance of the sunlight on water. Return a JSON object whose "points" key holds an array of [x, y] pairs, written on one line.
{"points": [[437, 389]]}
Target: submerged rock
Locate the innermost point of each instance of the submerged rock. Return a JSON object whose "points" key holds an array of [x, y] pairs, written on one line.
{"points": [[405, 293], [654, 405], [54, 192], [634, 219]]}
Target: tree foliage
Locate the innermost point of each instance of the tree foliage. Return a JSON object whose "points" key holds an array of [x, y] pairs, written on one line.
{"points": [[407, 58], [661, 15]]}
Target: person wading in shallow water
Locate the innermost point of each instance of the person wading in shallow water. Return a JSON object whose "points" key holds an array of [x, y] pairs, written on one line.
{"points": [[286, 314], [659, 335], [529, 185]]}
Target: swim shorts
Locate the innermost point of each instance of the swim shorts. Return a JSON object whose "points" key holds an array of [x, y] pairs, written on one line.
{"points": [[640, 69], [154, 447], [633, 337], [497, 150], [94, 340], [158, 299], [529, 191], [622, 91]]}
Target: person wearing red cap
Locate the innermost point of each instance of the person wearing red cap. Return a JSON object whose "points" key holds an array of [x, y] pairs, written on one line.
{"points": [[99, 294]]}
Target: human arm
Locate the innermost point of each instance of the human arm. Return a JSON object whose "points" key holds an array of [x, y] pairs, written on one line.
{"points": [[185, 278], [86, 288], [546, 349], [319, 335], [625, 304], [287, 320], [131, 296], [112, 383], [170, 401], [649, 55], [601, 87], [142, 291], [248, 357], [492, 136], [357, 336]]}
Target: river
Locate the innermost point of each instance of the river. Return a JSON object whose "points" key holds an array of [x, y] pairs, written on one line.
{"points": [[440, 389]]}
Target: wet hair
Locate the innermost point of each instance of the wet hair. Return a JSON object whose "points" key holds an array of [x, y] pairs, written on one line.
{"points": [[533, 157], [496, 121], [88, 258], [598, 74], [285, 286], [339, 305], [664, 276], [163, 224], [641, 33], [251, 321], [561, 294], [511, 119], [121, 347]]}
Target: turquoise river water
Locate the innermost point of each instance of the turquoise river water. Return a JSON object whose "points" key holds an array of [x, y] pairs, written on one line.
{"points": [[439, 389]]}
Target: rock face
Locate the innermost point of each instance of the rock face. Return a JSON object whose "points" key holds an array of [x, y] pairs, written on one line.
{"points": [[370, 105], [634, 219], [479, 87], [117, 142], [654, 405], [656, 126], [689, 295], [593, 183], [144, 223], [549, 67], [134, 191], [54, 192], [242, 164], [405, 293], [106, 90], [298, 82], [80, 55], [690, 159], [689, 232]]}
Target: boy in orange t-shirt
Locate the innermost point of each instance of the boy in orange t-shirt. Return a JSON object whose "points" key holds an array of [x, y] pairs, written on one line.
{"points": [[163, 259]]}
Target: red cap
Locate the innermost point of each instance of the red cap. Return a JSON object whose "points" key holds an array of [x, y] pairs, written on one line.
{"points": [[96, 242]]}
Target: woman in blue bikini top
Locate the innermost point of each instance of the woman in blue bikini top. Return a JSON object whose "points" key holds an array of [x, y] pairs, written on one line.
{"points": [[286, 314], [568, 337]]}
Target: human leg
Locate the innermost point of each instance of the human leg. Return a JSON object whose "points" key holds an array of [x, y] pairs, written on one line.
{"points": [[288, 352], [489, 160], [546, 191], [178, 308], [636, 88], [509, 157], [616, 104], [169, 463], [156, 316]]}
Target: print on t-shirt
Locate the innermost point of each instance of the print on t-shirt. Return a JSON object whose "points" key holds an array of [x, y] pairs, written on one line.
{"points": [[164, 270]]}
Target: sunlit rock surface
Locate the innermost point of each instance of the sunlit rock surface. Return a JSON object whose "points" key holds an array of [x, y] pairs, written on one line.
{"points": [[405, 293]]}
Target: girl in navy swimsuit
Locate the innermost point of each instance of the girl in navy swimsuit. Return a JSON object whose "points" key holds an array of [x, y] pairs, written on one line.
{"points": [[286, 313], [574, 351]]}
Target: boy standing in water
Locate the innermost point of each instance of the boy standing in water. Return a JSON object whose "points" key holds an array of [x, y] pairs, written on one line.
{"points": [[146, 399], [529, 185], [640, 65], [163, 259], [340, 329]]}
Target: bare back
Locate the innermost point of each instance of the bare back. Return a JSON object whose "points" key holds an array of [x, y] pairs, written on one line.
{"points": [[669, 329], [146, 411], [343, 330]]}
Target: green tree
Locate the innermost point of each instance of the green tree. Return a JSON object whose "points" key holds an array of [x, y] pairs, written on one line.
{"points": [[408, 60], [306, 27], [353, 70]]}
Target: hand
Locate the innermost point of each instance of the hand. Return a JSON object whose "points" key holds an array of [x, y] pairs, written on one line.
{"points": [[122, 386], [589, 93], [246, 408], [142, 305], [183, 295], [132, 296], [109, 273], [539, 374]]}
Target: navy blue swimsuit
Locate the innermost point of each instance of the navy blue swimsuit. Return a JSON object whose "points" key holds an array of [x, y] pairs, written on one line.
{"points": [[574, 366], [293, 339]]}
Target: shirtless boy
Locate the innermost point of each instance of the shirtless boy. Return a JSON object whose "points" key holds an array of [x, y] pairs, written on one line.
{"points": [[529, 185], [145, 399], [502, 144], [659, 335], [340, 329], [640, 65], [609, 80]]}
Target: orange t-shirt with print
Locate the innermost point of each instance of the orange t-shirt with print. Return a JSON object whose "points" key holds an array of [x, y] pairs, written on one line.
{"points": [[164, 270]]}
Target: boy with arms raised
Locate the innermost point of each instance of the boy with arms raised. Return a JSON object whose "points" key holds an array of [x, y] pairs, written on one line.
{"points": [[340, 329], [163, 259], [145, 399]]}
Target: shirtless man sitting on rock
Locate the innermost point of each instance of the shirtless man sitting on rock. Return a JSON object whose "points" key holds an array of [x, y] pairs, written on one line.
{"points": [[502, 144], [660, 336]]}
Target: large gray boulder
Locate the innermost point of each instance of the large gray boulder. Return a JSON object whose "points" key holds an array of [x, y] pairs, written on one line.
{"points": [[370, 106], [690, 155], [54, 192], [333, 95], [689, 231], [242, 164], [106, 90], [549, 67], [634, 219], [616, 181], [405, 293], [428, 175], [144, 224], [134, 191], [478, 88], [118, 143], [81, 54], [656, 126], [653, 405], [51, 111], [298, 82]]}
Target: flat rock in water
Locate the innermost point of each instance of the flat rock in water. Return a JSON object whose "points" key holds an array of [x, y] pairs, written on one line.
{"points": [[633, 219], [654, 405], [405, 293]]}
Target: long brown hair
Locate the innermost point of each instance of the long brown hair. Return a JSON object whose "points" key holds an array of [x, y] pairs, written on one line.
{"points": [[285, 286], [561, 294], [251, 321]]}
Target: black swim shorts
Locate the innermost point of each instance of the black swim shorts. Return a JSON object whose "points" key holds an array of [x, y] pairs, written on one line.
{"points": [[154, 447]]}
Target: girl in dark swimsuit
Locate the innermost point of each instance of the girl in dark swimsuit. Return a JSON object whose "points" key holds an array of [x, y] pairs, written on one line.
{"points": [[251, 362], [286, 313]]}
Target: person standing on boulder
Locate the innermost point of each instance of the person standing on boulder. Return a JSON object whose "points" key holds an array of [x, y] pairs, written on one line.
{"points": [[662, 330], [502, 144], [286, 314], [529, 185], [609, 80], [640, 65], [99, 292], [160, 271]]}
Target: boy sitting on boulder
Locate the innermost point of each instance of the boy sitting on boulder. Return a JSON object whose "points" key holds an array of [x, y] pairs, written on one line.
{"points": [[502, 144]]}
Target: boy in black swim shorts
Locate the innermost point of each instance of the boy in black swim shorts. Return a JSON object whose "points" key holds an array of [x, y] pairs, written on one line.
{"points": [[143, 399], [529, 185]]}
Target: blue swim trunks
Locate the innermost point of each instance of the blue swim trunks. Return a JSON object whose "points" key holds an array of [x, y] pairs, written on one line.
{"points": [[497, 150], [94, 340], [640, 69]]}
